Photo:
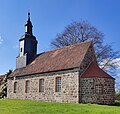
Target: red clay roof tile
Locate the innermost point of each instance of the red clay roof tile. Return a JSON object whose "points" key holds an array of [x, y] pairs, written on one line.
{"points": [[55, 60], [94, 71]]}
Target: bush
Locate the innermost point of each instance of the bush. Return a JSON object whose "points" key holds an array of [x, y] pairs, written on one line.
{"points": [[117, 96]]}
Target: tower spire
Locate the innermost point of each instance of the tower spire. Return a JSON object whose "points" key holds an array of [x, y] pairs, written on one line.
{"points": [[28, 46], [28, 25]]}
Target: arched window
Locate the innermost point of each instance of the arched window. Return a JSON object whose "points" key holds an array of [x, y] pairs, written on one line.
{"points": [[27, 86], [15, 87], [99, 89]]}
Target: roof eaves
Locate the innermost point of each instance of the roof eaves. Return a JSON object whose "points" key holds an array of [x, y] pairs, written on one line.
{"points": [[44, 72]]}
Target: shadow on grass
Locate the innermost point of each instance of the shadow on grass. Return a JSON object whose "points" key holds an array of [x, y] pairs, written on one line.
{"points": [[117, 103]]}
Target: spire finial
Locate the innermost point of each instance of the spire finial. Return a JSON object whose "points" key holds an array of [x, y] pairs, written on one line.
{"points": [[28, 15], [28, 25]]}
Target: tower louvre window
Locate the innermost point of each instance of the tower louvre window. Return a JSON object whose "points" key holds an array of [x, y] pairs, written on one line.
{"points": [[20, 49]]}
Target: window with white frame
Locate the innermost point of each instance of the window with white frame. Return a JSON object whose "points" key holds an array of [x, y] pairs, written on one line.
{"points": [[58, 84], [99, 89], [41, 85]]}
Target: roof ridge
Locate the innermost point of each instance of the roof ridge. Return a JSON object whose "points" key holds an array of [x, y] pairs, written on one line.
{"points": [[66, 46]]}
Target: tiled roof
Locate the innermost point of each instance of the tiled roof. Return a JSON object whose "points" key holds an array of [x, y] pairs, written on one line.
{"points": [[1, 77], [56, 60], [94, 71]]}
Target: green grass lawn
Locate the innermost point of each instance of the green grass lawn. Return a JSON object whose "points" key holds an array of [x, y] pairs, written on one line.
{"points": [[36, 107]]}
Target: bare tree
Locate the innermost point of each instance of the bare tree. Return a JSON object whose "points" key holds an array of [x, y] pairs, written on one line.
{"points": [[77, 32]]}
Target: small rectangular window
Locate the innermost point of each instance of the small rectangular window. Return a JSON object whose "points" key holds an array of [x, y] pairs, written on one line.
{"points": [[58, 84], [41, 85], [15, 87], [99, 89], [27, 86]]}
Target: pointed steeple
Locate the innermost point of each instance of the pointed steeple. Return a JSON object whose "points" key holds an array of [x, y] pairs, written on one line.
{"points": [[28, 46], [28, 25]]}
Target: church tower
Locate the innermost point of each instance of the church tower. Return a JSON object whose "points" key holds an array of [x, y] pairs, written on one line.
{"points": [[27, 45]]}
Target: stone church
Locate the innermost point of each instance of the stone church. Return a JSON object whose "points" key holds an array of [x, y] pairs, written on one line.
{"points": [[69, 74]]}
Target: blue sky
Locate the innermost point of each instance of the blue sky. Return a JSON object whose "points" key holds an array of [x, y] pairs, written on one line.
{"points": [[49, 17]]}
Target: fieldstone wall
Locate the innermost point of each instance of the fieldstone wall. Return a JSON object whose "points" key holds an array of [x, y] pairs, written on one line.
{"points": [[88, 90], [69, 91], [89, 57], [73, 88]]}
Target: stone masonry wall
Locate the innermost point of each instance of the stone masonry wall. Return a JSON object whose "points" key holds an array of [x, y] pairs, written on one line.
{"points": [[89, 57], [88, 90], [69, 91]]}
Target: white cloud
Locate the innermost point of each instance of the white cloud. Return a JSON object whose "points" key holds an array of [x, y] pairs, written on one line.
{"points": [[1, 40], [116, 62]]}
